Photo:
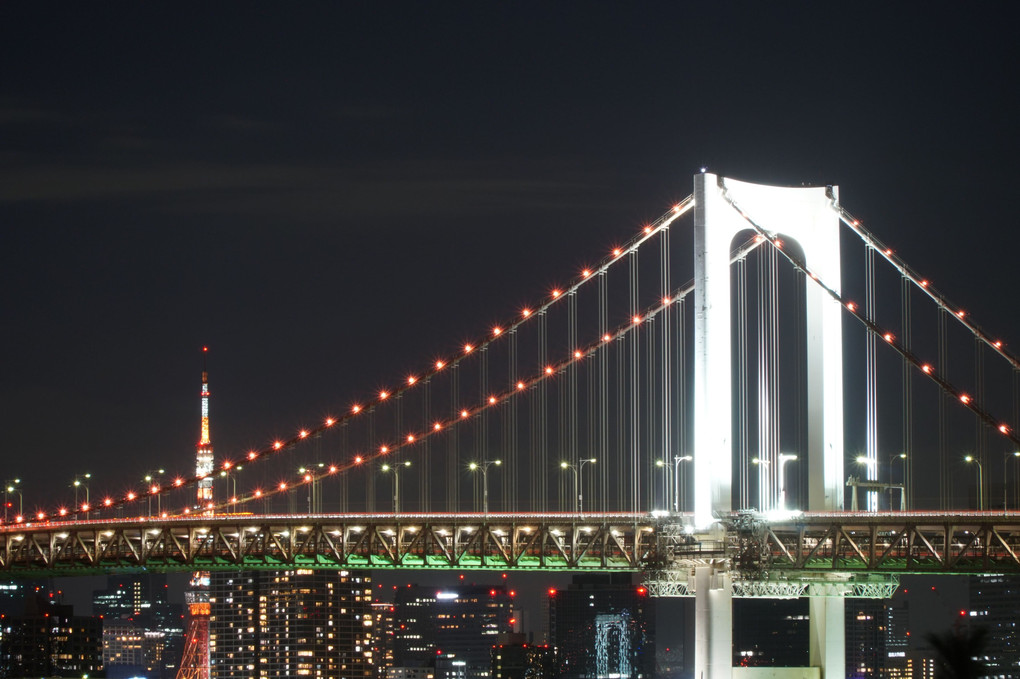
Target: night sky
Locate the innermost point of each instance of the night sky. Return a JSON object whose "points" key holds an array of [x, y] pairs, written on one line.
{"points": [[327, 195]]}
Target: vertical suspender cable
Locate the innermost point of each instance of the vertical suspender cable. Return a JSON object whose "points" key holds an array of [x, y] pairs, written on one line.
{"points": [[743, 451], [425, 485], [570, 421], [603, 397], [511, 467], [452, 448], [945, 485], [666, 379], [635, 394], [870, 387], [540, 468], [908, 395], [980, 431]]}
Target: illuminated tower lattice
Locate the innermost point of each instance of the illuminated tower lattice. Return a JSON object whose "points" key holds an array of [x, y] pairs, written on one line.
{"points": [[195, 663]]}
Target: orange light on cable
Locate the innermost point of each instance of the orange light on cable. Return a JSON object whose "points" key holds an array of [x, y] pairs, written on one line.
{"points": [[283, 485], [585, 273], [997, 344], [131, 495], [924, 284], [851, 306], [384, 450], [926, 369], [277, 445], [410, 438], [520, 385], [676, 208], [888, 251], [302, 434], [556, 293], [62, 511], [964, 398], [617, 252], [252, 455], [258, 493], [330, 421], [666, 301], [383, 395], [468, 348], [492, 399], [41, 515], [154, 489], [606, 337], [178, 482], [464, 413], [496, 330], [1004, 428], [356, 409], [85, 507], [308, 478], [961, 313], [332, 469], [578, 354], [548, 370], [888, 337], [525, 312], [648, 229], [636, 319], [358, 459], [440, 365], [437, 426], [108, 501], [411, 379]]}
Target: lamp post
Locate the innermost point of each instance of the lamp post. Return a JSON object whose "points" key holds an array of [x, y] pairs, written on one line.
{"points": [[484, 466], [578, 470], [12, 487], [81, 481], [1005, 476], [677, 487], [396, 482], [312, 478], [152, 481], [981, 480], [903, 457], [783, 459], [229, 476]]}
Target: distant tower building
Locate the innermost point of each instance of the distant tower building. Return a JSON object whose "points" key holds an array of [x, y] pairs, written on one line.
{"points": [[50, 641], [291, 623], [994, 601], [602, 626], [866, 635], [195, 663], [136, 612], [451, 629]]}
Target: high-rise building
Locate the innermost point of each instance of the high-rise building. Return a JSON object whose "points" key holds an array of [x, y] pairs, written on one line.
{"points": [[994, 601], [137, 613], [602, 625], [275, 624], [866, 624], [443, 628], [514, 658], [49, 640]]}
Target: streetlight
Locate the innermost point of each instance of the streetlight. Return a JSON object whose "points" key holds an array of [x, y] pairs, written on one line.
{"points": [[578, 470], [1005, 476], [901, 456], [83, 480], [677, 487], [783, 459], [152, 481], [484, 466], [12, 487], [230, 476], [980, 480], [312, 479], [396, 482]]}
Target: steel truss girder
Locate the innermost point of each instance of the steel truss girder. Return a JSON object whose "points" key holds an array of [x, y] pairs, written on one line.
{"points": [[539, 542], [896, 542]]}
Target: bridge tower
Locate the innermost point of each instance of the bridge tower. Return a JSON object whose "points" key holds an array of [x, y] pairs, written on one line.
{"points": [[195, 663], [723, 208]]}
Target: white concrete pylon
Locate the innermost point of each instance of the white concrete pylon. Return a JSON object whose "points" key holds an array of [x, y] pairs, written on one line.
{"points": [[803, 215]]}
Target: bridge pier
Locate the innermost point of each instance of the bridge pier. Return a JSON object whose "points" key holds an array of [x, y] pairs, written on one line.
{"points": [[827, 635], [713, 622]]}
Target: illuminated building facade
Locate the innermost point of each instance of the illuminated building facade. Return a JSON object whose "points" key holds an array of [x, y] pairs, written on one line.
{"points": [[866, 634], [451, 629], [994, 602], [297, 623], [50, 641], [601, 626]]}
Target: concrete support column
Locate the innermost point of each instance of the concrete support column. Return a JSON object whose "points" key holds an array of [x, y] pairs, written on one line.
{"points": [[713, 623], [827, 635]]}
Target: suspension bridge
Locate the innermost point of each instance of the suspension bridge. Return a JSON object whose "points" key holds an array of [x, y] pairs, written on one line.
{"points": [[706, 434]]}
